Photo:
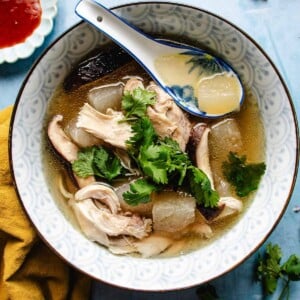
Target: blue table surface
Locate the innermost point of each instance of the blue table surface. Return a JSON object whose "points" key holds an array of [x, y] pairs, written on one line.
{"points": [[275, 25]]}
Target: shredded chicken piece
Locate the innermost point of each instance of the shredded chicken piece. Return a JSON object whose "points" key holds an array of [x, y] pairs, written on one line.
{"points": [[83, 212], [108, 223], [106, 127], [100, 192], [122, 245], [153, 245], [177, 247], [200, 227], [133, 83], [167, 118], [100, 222]]}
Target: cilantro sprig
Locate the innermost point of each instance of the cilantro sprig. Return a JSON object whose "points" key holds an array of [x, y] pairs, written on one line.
{"points": [[270, 270], [135, 103], [139, 191], [97, 161], [243, 176], [161, 160]]}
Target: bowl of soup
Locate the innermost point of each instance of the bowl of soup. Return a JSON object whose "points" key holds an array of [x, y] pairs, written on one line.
{"points": [[133, 191]]}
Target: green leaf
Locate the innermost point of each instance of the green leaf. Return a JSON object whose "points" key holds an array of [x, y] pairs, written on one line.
{"points": [[244, 177], [97, 161], [269, 270], [139, 192], [160, 160], [106, 164], [143, 135], [201, 188], [135, 103], [152, 160], [292, 267], [83, 166]]}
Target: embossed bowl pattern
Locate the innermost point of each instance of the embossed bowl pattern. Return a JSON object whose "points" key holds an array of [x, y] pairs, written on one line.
{"points": [[256, 71]]}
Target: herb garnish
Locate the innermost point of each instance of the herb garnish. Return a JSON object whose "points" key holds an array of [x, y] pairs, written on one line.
{"points": [[243, 176], [139, 192], [97, 161], [269, 270], [161, 161], [135, 103]]}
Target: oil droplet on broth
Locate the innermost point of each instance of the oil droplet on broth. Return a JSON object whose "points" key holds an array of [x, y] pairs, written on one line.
{"points": [[217, 93]]}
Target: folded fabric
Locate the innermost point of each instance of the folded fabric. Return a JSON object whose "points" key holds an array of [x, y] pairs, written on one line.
{"points": [[28, 268]]}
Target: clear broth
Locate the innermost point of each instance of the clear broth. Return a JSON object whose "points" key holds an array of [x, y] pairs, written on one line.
{"points": [[69, 103]]}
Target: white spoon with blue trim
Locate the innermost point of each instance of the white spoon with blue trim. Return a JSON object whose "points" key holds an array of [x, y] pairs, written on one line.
{"points": [[200, 83]]}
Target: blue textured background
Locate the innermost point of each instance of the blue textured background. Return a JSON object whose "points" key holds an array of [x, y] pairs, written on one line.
{"points": [[275, 25]]}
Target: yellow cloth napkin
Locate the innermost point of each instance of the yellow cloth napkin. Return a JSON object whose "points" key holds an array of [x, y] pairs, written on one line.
{"points": [[28, 269]]}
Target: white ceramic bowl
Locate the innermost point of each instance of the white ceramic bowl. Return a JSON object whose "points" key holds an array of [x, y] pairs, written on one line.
{"points": [[36, 39], [256, 70]]}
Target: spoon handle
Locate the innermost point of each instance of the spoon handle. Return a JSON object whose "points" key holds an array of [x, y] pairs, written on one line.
{"points": [[131, 39]]}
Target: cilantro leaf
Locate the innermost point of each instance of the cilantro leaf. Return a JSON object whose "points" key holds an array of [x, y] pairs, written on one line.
{"points": [[292, 267], [144, 134], [83, 166], [106, 164], [201, 188], [97, 161], [161, 160], [135, 103], [268, 270], [164, 162], [244, 177], [152, 160], [140, 191]]}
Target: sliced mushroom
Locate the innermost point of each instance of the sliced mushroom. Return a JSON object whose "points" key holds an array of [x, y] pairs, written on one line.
{"points": [[122, 245], [167, 118], [65, 147], [177, 247], [200, 134], [231, 206], [200, 227], [61, 142], [106, 127]]}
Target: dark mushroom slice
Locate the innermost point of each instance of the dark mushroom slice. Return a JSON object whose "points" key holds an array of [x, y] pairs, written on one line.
{"points": [[99, 62]]}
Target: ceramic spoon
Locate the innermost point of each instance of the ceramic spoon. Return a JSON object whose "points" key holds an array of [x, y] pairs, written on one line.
{"points": [[200, 83]]}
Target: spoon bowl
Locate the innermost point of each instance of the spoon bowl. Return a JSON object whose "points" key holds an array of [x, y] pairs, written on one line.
{"points": [[200, 83]]}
